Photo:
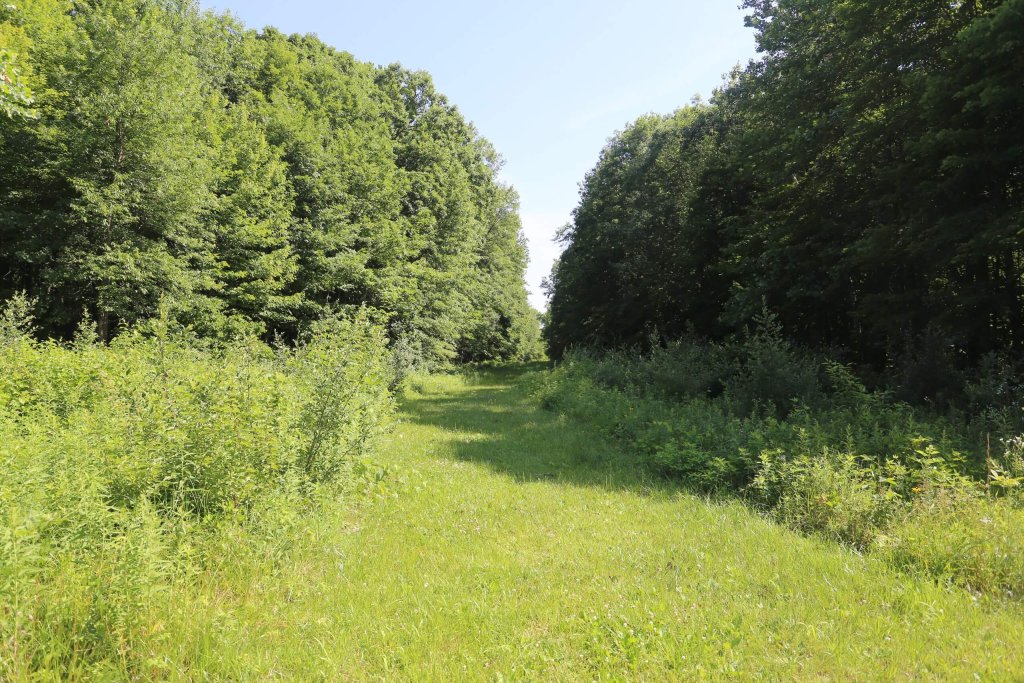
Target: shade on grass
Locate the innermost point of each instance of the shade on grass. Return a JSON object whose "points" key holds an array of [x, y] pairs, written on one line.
{"points": [[508, 542]]}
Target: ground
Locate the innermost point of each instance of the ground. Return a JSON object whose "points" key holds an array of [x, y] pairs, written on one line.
{"points": [[508, 544]]}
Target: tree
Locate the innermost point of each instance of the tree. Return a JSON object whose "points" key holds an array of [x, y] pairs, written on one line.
{"points": [[121, 172], [861, 179], [252, 182]]}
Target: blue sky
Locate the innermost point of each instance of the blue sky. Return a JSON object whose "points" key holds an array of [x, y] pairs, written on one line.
{"points": [[547, 82]]}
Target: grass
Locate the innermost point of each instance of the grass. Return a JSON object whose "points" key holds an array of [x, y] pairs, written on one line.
{"points": [[507, 544]]}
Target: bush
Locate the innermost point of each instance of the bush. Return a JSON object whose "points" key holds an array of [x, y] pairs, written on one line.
{"points": [[843, 462], [676, 371], [122, 462], [759, 372], [961, 536], [771, 376]]}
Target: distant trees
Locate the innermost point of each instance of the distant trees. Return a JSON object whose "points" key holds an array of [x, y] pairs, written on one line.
{"points": [[253, 182], [864, 180]]}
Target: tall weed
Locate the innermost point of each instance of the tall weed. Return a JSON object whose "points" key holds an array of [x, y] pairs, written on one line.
{"points": [[123, 464], [804, 440]]}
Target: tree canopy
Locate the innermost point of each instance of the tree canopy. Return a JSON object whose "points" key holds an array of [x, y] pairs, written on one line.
{"points": [[863, 180], [251, 181]]}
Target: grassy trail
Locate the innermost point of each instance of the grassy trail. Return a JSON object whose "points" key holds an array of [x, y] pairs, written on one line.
{"points": [[522, 547]]}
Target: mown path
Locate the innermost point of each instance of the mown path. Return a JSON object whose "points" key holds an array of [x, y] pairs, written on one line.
{"points": [[518, 546]]}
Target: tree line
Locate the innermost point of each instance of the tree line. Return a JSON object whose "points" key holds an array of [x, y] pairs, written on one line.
{"points": [[247, 181], [863, 180]]}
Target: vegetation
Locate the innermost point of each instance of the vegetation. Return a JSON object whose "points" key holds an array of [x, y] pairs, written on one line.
{"points": [[506, 542], [15, 96], [807, 443], [862, 180], [552, 556], [127, 467], [795, 311], [808, 291], [253, 182], [221, 251]]}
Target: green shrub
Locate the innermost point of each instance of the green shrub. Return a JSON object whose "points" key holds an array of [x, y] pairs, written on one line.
{"points": [[843, 462], [770, 375], [678, 370], [759, 372], [835, 494], [1007, 472], [962, 536], [122, 464]]}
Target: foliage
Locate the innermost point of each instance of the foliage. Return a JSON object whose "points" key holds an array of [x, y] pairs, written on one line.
{"points": [[861, 180], [769, 374], [817, 451], [252, 181], [15, 95], [124, 464], [506, 542], [16, 78]]}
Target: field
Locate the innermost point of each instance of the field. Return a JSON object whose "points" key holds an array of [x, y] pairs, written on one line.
{"points": [[296, 384], [507, 544]]}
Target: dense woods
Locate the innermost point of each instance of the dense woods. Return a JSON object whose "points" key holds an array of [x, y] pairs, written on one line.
{"points": [[863, 180], [808, 291], [253, 182]]}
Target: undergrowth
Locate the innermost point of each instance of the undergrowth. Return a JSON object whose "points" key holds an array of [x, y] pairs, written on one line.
{"points": [[129, 468], [802, 439]]}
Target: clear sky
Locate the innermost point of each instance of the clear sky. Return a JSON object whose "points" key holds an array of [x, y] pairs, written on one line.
{"points": [[548, 82]]}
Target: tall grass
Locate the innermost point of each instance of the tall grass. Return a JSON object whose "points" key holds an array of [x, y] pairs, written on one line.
{"points": [[124, 467], [804, 440]]}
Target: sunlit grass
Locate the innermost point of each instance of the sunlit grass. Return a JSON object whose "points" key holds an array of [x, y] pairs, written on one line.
{"points": [[509, 544]]}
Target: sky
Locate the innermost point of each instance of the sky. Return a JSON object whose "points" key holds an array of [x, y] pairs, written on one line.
{"points": [[548, 82]]}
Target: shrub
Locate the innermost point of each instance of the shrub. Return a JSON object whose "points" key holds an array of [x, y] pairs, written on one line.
{"points": [[962, 536], [1007, 472], [122, 463], [770, 375], [835, 494], [843, 462], [683, 369], [928, 369]]}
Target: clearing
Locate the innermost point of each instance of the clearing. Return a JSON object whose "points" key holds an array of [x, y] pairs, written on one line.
{"points": [[520, 546]]}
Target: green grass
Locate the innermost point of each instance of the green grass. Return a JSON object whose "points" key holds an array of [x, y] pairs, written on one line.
{"points": [[508, 544]]}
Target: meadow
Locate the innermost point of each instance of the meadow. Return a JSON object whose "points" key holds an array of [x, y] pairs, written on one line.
{"points": [[131, 470], [799, 438], [488, 539], [275, 403]]}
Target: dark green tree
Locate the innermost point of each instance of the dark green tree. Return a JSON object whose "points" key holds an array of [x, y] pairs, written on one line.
{"points": [[252, 182], [861, 179]]}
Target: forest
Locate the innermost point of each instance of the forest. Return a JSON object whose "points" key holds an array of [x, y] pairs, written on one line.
{"points": [[863, 181], [274, 404], [251, 181], [807, 292]]}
